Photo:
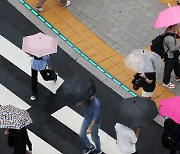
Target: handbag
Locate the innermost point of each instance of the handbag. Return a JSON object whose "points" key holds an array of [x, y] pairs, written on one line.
{"points": [[137, 81]]}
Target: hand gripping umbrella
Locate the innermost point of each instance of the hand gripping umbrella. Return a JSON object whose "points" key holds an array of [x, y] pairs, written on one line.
{"points": [[135, 112], [13, 118]]}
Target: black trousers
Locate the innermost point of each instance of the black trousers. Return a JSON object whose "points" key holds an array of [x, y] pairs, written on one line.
{"points": [[170, 65], [47, 76]]}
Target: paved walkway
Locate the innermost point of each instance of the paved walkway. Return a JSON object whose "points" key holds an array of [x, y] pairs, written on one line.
{"points": [[105, 31]]}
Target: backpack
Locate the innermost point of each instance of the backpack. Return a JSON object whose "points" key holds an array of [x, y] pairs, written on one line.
{"points": [[157, 45]]}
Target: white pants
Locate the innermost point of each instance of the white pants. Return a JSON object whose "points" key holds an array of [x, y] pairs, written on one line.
{"points": [[146, 94]]}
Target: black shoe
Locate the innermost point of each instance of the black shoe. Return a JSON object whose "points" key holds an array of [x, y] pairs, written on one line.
{"points": [[88, 150]]}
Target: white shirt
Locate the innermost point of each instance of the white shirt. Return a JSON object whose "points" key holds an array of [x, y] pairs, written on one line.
{"points": [[126, 139]]}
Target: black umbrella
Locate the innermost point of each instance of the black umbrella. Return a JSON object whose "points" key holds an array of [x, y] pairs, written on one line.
{"points": [[135, 112], [77, 89]]}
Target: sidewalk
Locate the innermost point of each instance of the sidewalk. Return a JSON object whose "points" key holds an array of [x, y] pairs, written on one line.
{"points": [[104, 31]]}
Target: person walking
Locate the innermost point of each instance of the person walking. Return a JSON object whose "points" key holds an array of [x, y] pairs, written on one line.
{"points": [[91, 125], [18, 139], [148, 84], [126, 138], [40, 3], [39, 64], [172, 60]]}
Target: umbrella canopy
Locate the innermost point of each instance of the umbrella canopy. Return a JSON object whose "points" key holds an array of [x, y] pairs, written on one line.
{"points": [[135, 112], [170, 107], [77, 89], [13, 118], [142, 60], [39, 44], [167, 17]]}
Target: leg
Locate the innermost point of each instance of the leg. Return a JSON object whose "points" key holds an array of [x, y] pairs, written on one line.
{"points": [[83, 134], [95, 137], [40, 3], [34, 74], [169, 65], [176, 65], [47, 75]]}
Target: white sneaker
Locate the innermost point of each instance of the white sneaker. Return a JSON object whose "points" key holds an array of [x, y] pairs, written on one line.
{"points": [[169, 85], [67, 4], [32, 98], [39, 9]]}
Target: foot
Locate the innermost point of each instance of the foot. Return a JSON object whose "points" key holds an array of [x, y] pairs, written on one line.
{"points": [[97, 152], [177, 79], [88, 150], [39, 9], [169, 85], [67, 4], [33, 97]]}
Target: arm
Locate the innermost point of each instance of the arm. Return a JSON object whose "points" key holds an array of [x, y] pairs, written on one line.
{"points": [[90, 127], [146, 79], [138, 132]]}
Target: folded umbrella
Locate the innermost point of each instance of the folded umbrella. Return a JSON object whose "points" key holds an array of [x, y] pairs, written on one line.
{"points": [[13, 118], [135, 112], [170, 107], [39, 44], [77, 89]]}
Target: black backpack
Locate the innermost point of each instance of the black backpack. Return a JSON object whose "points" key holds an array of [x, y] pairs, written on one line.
{"points": [[157, 44]]}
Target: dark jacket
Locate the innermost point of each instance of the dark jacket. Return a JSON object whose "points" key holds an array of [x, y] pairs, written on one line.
{"points": [[18, 139]]}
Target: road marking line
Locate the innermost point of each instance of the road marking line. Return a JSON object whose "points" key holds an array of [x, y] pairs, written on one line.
{"points": [[22, 60], [7, 97], [73, 120], [39, 146]]}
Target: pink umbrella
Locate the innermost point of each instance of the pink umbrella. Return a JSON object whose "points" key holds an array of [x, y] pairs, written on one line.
{"points": [[39, 44], [168, 17], [170, 107]]}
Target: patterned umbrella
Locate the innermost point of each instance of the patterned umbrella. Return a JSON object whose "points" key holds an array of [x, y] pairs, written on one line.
{"points": [[13, 118]]}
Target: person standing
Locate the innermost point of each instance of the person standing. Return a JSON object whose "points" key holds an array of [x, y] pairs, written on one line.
{"points": [[172, 60], [18, 139], [126, 138], [39, 64], [91, 125], [148, 84], [40, 3]]}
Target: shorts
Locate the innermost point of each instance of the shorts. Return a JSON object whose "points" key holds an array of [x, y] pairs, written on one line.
{"points": [[146, 94]]}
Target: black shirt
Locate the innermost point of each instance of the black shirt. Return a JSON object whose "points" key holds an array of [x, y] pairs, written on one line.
{"points": [[149, 87]]}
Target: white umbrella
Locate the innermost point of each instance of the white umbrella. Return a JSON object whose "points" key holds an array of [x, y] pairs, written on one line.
{"points": [[142, 60]]}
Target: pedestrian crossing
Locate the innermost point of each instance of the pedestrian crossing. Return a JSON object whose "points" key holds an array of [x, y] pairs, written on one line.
{"points": [[64, 115]]}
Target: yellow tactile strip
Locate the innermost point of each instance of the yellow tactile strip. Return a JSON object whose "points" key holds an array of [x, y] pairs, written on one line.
{"points": [[91, 45], [171, 2]]}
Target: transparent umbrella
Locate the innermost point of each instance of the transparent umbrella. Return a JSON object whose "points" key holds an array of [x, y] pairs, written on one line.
{"points": [[142, 60]]}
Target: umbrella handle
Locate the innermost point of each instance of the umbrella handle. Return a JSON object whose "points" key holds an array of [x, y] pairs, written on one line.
{"points": [[169, 5]]}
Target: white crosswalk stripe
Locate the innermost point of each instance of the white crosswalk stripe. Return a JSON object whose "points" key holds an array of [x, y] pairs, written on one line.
{"points": [[22, 60], [39, 145], [73, 120]]}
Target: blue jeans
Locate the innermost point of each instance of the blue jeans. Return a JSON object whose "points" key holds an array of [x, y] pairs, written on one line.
{"points": [[94, 135]]}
